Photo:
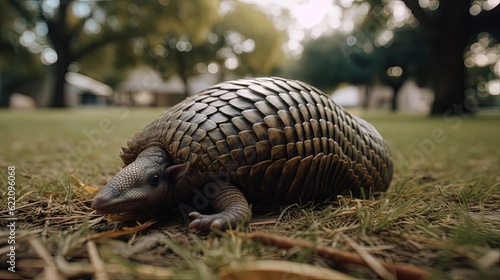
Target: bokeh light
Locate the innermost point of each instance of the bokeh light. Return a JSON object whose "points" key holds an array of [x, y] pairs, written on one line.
{"points": [[395, 71], [49, 56], [493, 87]]}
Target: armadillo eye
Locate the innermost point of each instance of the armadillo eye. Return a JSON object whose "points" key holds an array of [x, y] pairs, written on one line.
{"points": [[154, 180]]}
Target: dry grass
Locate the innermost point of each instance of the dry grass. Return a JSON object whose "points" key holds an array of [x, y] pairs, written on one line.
{"points": [[441, 214]]}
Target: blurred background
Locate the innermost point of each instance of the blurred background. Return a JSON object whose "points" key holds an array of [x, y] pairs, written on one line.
{"points": [[425, 56]]}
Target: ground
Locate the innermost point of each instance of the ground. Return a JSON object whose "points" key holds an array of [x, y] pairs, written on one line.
{"points": [[441, 213]]}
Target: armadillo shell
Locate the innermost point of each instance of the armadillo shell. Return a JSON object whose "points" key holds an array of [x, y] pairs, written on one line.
{"points": [[275, 139]]}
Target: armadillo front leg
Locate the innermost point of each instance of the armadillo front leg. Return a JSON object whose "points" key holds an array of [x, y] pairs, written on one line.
{"points": [[231, 207]]}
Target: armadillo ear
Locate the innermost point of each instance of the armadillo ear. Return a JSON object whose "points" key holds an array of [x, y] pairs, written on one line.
{"points": [[174, 172]]}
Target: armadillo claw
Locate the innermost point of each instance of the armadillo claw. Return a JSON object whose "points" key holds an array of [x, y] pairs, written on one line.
{"points": [[206, 222]]}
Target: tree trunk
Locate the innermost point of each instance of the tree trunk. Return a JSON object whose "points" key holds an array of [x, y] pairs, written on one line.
{"points": [[366, 100], [60, 40], [449, 76], [59, 96], [447, 46], [394, 100], [448, 32], [183, 72]]}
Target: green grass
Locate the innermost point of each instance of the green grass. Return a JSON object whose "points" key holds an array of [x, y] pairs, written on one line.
{"points": [[441, 212]]}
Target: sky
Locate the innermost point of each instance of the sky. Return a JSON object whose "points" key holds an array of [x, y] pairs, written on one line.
{"points": [[312, 18], [308, 13]]}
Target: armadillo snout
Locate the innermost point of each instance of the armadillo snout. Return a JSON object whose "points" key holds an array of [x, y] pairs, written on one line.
{"points": [[100, 203], [130, 190], [109, 200]]}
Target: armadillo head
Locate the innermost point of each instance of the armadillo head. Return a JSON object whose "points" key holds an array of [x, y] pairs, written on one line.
{"points": [[141, 185]]}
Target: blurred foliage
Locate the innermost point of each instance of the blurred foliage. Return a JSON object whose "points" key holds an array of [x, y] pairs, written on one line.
{"points": [[104, 39], [16, 63], [325, 63], [252, 23], [424, 40], [427, 40], [242, 40], [449, 28], [409, 53], [334, 59]]}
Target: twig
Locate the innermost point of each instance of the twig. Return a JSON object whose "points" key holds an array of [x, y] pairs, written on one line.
{"points": [[373, 263], [403, 271], [272, 222], [97, 263], [124, 231], [50, 271], [489, 259]]}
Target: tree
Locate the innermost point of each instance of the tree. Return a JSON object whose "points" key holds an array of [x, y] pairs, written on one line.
{"points": [[406, 56], [449, 27], [325, 64], [17, 64], [251, 37], [333, 59], [75, 29], [242, 40], [182, 40]]}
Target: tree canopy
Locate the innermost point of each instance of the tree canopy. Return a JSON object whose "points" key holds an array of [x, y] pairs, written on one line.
{"points": [[103, 39], [334, 59], [438, 41], [428, 40], [449, 27]]}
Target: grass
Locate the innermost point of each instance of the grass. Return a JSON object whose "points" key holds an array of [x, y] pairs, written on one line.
{"points": [[442, 211]]}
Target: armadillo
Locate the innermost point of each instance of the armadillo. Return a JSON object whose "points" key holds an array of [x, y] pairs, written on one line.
{"points": [[248, 141]]}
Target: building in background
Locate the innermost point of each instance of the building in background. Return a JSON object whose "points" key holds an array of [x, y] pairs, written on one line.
{"points": [[145, 87], [411, 98]]}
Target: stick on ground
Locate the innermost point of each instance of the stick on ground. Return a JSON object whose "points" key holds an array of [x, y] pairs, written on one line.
{"points": [[403, 271]]}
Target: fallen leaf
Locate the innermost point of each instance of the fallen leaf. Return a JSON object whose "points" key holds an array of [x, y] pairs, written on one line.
{"points": [[90, 189], [278, 270]]}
